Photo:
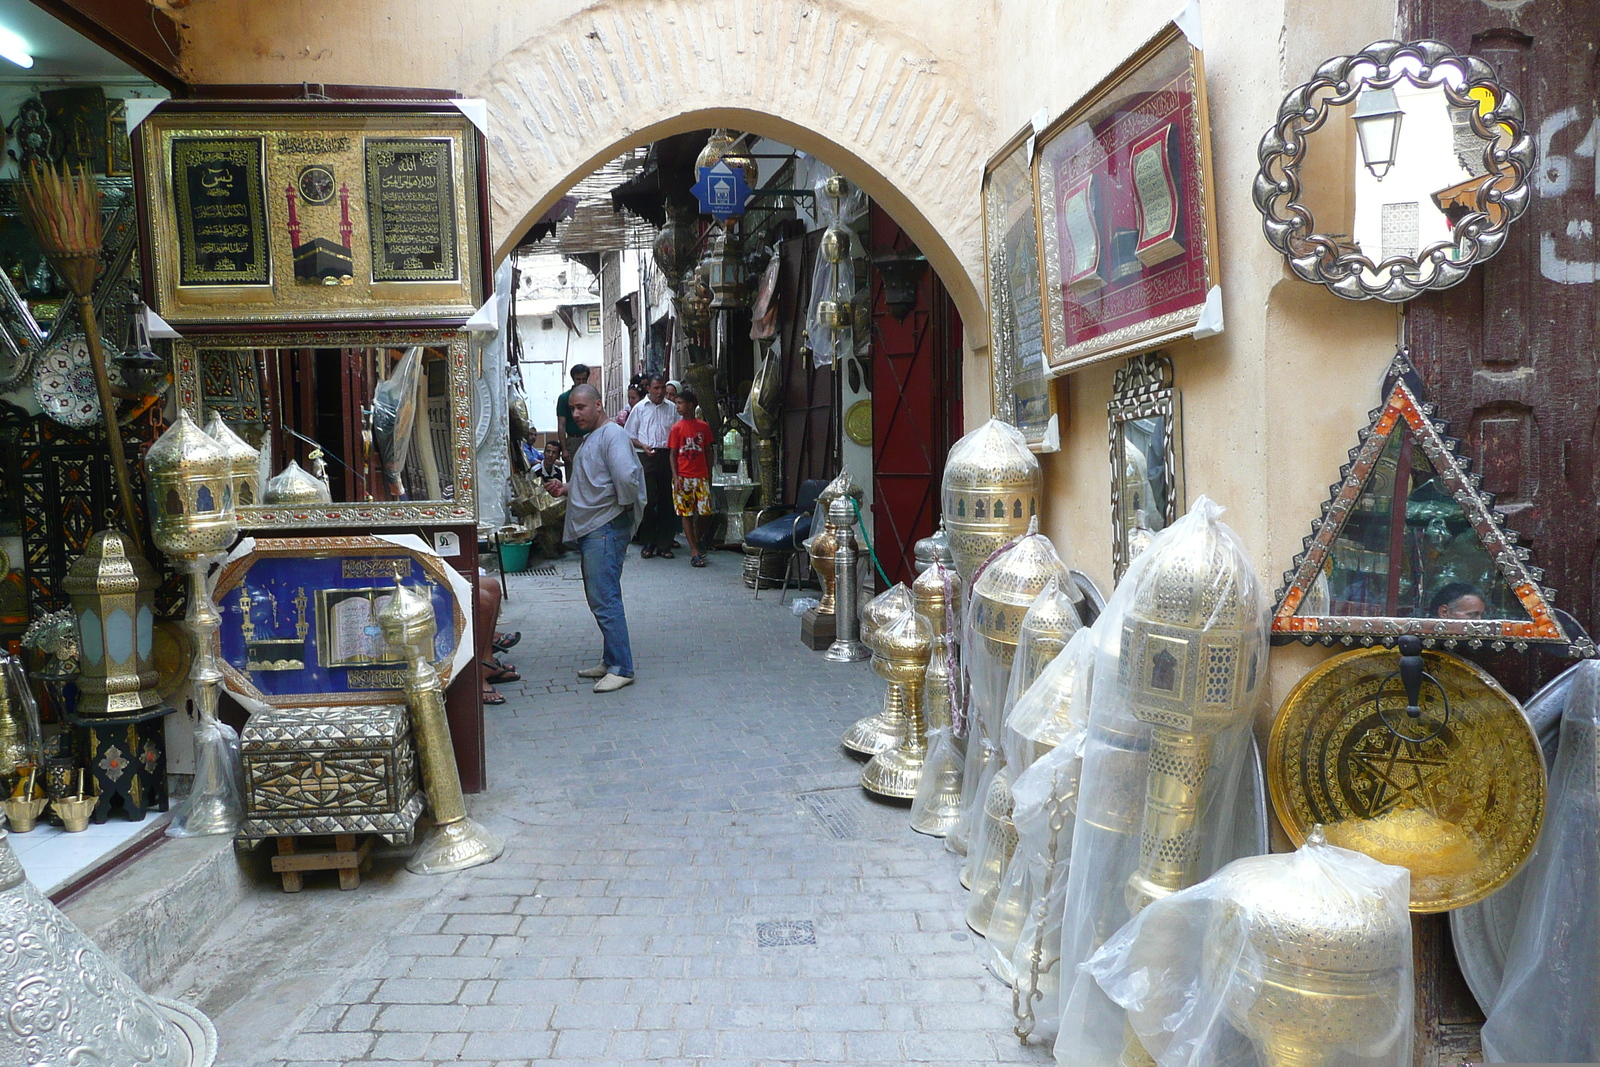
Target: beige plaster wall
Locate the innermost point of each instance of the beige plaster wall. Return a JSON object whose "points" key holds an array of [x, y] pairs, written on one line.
{"points": [[909, 98]]}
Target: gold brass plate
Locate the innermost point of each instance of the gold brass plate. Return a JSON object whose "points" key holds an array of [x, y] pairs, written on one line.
{"points": [[1461, 809], [858, 422]]}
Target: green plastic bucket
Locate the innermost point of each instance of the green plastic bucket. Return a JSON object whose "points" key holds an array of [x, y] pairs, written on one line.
{"points": [[514, 556]]}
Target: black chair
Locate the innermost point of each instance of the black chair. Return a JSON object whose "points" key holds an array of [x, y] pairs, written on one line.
{"points": [[784, 536]]}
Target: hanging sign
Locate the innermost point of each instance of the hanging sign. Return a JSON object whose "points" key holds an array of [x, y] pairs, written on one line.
{"points": [[721, 190]]}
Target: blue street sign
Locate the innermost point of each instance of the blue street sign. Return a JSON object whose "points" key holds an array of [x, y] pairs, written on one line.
{"points": [[721, 190]]}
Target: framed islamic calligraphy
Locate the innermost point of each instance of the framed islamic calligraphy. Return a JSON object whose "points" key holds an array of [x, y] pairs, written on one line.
{"points": [[273, 215], [1023, 394], [1127, 238]]}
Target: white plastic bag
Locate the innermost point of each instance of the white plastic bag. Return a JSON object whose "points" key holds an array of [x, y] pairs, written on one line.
{"points": [[215, 803], [1301, 957], [1548, 1008], [802, 604], [1180, 667]]}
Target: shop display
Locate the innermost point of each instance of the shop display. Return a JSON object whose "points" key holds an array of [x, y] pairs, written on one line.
{"points": [[1395, 170], [1550, 974], [67, 1002], [1022, 392], [1305, 956], [415, 466], [990, 493], [1481, 933], [193, 521], [1146, 456], [1127, 232], [878, 732], [1427, 764], [1165, 795], [456, 841], [312, 212], [900, 653], [1412, 544], [113, 598]]}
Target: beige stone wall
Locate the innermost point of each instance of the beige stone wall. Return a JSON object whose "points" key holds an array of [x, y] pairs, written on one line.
{"points": [[909, 97]]}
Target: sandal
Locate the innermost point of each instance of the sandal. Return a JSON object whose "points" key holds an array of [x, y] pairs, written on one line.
{"points": [[500, 674], [697, 561], [490, 696], [506, 642], [665, 553]]}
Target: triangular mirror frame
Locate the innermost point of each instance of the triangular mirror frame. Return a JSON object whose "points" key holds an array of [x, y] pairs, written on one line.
{"points": [[1406, 405]]}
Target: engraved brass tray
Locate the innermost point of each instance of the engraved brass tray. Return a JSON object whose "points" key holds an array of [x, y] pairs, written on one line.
{"points": [[1458, 800]]}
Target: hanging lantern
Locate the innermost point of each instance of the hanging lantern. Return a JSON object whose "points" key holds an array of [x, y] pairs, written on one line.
{"points": [[142, 371], [835, 244], [675, 244], [191, 491], [727, 272], [720, 148], [244, 462], [694, 305], [113, 597]]}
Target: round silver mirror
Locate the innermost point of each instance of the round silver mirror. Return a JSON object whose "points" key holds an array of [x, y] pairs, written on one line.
{"points": [[1394, 171]]}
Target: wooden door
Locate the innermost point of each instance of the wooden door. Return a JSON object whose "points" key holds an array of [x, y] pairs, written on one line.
{"points": [[916, 404], [808, 408], [1509, 356]]}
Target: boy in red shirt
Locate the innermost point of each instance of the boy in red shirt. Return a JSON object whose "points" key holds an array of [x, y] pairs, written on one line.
{"points": [[690, 443]]}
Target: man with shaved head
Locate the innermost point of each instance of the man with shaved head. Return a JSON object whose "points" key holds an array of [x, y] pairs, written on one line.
{"points": [[605, 497]]}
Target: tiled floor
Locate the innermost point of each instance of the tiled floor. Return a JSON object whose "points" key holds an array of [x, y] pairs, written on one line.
{"points": [[671, 892], [52, 857]]}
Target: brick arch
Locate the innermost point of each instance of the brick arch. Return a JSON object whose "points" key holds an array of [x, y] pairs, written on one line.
{"points": [[853, 91]]}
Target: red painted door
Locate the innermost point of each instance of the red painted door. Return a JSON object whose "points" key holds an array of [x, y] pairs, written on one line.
{"points": [[916, 403]]}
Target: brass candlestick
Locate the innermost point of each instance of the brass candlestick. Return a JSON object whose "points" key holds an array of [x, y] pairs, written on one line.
{"points": [[877, 732], [900, 656], [456, 841]]}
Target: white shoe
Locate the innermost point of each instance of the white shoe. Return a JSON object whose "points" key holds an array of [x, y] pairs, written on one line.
{"points": [[599, 670], [611, 683]]}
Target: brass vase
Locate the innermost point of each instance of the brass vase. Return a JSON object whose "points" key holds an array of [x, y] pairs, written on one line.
{"points": [[456, 841], [990, 492], [875, 733], [900, 656]]}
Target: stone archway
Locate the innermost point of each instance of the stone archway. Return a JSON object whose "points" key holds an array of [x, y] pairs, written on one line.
{"points": [[854, 91]]}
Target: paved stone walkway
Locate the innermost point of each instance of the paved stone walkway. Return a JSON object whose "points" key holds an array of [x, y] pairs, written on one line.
{"points": [[691, 876]]}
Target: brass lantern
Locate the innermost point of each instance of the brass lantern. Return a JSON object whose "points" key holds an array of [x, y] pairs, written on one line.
{"points": [[1001, 598], [674, 246], [720, 148], [1191, 659], [875, 733], [900, 653], [1326, 971], [990, 492], [244, 462], [727, 272], [191, 492], [113, 597], [295, 487], [935, 548]]}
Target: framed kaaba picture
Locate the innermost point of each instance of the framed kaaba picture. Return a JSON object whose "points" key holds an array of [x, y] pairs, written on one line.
{"points": [[1127, 240], [272, 214], [1023, 394]]}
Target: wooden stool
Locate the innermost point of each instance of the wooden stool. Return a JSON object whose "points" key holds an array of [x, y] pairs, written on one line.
{"points": [[344, 857]]}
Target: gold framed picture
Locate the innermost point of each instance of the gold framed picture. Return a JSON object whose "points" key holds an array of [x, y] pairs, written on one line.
{"points": [[1022, 392], [311, 212], [1127, 235]]}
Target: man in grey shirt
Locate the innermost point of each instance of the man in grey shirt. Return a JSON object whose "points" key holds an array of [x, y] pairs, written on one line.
{"points": [[605, 496]]}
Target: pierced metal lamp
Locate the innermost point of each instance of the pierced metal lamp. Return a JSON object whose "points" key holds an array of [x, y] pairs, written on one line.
{"points": [[456, 841]]}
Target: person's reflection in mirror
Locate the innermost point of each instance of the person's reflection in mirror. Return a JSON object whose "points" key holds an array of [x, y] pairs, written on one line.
{"points": [[1458, 600]]}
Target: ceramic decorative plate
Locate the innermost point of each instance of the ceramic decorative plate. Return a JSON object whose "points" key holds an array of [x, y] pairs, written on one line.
{"points": [[63, 383], [1455, 795]]}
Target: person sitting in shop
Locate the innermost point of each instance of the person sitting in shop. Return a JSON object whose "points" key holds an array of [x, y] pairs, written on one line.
{"points": [[690, 445], [649, 426], [571, 432], [604, 498], [1458, 600]]}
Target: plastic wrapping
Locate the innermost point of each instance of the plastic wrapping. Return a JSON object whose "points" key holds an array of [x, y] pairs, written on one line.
{"points": [[394, 416], [216, 799], [1284, 960], [21, 737], [1548, 1007], [1053, 712], [1180, 658]]}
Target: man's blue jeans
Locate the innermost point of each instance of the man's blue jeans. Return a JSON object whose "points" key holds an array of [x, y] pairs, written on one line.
{"points": [[603, 552]]}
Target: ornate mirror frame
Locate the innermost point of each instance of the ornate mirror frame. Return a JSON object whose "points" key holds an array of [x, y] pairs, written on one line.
{"points": [[463, 508], [1317, 257], [1143, 389], [1023, 392], [1406, 403]]}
